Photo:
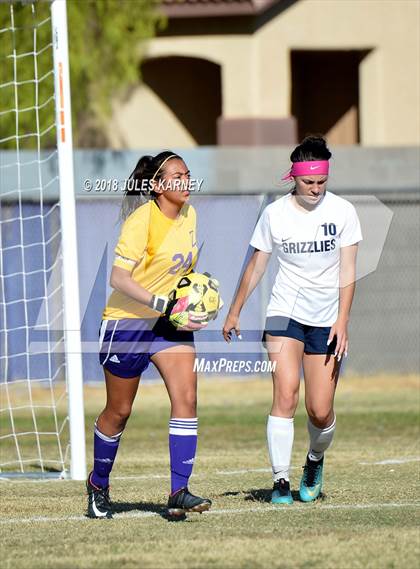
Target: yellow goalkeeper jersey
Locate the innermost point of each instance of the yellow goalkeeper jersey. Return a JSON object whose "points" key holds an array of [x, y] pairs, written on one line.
{"points": [[158, 251]]}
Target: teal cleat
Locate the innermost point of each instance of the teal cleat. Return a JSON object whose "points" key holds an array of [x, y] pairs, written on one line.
{"points": [[281, 492], [311, 483]]}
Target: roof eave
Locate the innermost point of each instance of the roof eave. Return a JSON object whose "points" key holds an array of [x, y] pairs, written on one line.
{"points": [[216, 10]]}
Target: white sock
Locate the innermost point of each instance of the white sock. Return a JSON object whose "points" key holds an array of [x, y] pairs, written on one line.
{"points": [[280, 432], [319, 440]]}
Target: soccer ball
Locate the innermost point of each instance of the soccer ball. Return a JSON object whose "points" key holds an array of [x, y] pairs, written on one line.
{"points": [[196, 295]]}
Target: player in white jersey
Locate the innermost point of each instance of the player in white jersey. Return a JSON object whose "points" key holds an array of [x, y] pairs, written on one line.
{"points": [[314, 235]]}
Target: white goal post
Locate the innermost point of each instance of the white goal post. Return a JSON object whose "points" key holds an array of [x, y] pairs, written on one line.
{"points": [[69, 240], [38, 241]]}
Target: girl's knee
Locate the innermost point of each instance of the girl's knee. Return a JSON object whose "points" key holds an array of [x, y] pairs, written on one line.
{"points": [[117, 416], [320, 418], [285, 404], [185, 406]]}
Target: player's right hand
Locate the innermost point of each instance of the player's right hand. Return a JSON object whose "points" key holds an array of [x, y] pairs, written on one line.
{"points": [[231, 323], [195, 322]]}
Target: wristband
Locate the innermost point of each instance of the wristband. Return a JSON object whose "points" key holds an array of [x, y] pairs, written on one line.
{"points": [[159, 303]]}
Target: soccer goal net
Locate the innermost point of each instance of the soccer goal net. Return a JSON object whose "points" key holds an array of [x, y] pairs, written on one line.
{"points": [[41, 407]]}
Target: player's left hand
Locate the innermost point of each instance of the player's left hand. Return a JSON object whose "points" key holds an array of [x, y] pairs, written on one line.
{"points": [[231, 323], [339, 330]]}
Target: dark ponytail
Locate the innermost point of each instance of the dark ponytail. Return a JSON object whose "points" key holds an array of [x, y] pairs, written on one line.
{"points": [[311, 148], [138, 190]]}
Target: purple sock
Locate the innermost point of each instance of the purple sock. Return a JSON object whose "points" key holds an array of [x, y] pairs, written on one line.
{"points": [[104, 449], [182, 448]]}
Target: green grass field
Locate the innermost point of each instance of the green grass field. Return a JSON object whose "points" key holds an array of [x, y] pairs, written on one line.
{"points": [[368, 517]]}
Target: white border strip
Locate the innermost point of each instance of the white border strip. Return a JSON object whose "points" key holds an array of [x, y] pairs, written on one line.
{"points": [[4, 478], [393, 461], [256, 510]]}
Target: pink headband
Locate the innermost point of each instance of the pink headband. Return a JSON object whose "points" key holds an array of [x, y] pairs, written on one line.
{"points": [[308, 169]]}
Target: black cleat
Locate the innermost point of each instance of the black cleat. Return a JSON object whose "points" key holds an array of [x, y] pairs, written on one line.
{"points": [[99, 503], [183, 501], [281, 492]]}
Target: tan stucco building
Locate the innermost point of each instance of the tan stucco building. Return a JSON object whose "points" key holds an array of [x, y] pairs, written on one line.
{"points": [[248, 72]]}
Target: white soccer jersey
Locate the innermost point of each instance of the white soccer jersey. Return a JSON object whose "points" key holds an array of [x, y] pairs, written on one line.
{"points": [[307, 245]]}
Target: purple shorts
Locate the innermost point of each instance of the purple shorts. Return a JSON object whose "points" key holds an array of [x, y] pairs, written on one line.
{"points": [[126, 345]]}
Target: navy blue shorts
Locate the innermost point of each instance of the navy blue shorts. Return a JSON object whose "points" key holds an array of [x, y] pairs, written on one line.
{"points": [[314, 338], [126, 345]]}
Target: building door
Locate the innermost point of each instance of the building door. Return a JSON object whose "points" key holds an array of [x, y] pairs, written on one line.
{"points": [[325, 94]]}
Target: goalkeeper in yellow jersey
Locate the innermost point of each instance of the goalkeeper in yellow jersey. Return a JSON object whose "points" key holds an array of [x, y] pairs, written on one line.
{"points": [[157, 246]]}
